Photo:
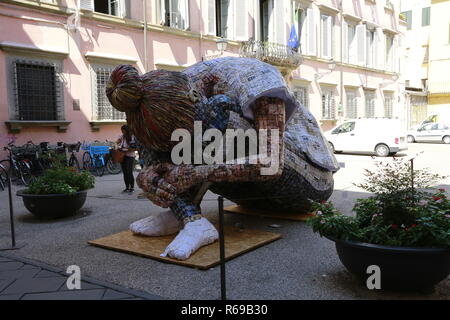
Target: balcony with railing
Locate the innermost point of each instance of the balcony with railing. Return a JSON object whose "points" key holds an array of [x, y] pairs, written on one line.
{"points": [[278, 55]]}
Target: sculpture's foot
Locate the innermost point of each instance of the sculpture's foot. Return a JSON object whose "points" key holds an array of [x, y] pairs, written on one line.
{"points": [[161, 224], [195, 235]]}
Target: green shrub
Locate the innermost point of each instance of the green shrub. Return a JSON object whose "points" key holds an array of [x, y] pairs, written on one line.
{"points": [[61, 180], [405, 210]]}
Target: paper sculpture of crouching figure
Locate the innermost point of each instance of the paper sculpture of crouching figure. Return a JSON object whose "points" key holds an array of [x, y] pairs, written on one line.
{"points": [[225, 93]]}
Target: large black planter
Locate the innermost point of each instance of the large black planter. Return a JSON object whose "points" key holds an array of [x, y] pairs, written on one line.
{"points": [[402, 268], [53, 205]]}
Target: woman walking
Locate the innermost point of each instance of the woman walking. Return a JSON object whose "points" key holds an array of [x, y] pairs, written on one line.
{"points": [[127, 144]]}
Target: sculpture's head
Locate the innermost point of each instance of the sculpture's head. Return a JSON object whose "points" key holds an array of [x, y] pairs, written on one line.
{"points": [[156, 103]]}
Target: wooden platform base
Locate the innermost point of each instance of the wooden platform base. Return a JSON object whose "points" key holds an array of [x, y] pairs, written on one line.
{"points": [[237, 242], [261, 213]]}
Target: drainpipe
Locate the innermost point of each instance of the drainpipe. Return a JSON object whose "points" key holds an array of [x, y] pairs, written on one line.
{"points": [[145, 37]]}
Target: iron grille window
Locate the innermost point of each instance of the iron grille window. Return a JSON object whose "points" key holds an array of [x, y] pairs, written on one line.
{"points": [[370, 105], [352, 105], [36, 91], [301, 94], [388, 106], [328, 106], [105, 110]]}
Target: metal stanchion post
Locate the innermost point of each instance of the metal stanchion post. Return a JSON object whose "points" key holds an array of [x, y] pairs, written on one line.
{"points": [[14, 246], [223, 289]]}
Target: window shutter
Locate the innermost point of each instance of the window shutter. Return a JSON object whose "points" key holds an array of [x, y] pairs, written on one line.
{"points": [[395, 48], [352, 45], [361, 43], [212, 17], [381, 44], [311, 32], [280, 23], [183, 13], [241, 20], [87, 5], [123, 8], [344, 41], [326, 36], [230, 20], [162, 12]]}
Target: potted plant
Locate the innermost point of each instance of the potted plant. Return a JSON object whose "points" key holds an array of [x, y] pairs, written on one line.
{"points": [[404, 228], [59, 192]]}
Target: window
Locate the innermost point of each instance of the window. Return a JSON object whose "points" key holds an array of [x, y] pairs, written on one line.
{"points": [[328, 105], [425, 17], [352, 105], [112, 7], [265, 12], [326, 25], [370, 104], [344, 128], [389, 52], [304, 20], [103, 110], [223, 21], [300, 23], [36, 91], [301, 94], [351, 44], [388, 106], [175, 13], [408, 18], [371, 49]]}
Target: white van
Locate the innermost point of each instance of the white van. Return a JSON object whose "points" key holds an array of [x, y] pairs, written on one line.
{"points": [[382, 136]]}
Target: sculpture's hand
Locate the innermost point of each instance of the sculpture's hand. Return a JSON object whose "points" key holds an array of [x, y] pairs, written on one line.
{"points": [[156, 188]]}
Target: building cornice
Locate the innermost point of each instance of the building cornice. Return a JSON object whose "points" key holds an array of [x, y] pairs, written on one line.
{"points": [[351, 17], [328, 9], [20, 48], [107, 57], [43, 6], [379, 71]]}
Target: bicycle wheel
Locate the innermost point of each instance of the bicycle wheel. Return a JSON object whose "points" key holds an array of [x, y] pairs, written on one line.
{"points": [[24, 172], [113, 167], [6, 165], [73, 162], [87, 161], [3, 178], [99, 166]]}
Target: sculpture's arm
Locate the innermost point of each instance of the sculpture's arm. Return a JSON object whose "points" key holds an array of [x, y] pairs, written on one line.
{"points": [[269, 115], [163, 181]]}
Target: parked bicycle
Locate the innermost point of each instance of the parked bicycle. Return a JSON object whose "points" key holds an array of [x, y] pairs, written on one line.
{"points": [[97, 158], [72, 149], [15, 165]]}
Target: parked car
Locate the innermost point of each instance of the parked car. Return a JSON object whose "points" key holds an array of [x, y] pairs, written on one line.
{"points": [[380, 136], [442, 117], [430, 132]]}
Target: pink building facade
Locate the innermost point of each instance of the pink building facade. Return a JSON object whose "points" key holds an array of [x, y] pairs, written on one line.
{"points": [[56, 56]]}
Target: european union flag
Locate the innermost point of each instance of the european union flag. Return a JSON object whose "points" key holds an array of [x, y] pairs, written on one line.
{"points": [[293, 41]]}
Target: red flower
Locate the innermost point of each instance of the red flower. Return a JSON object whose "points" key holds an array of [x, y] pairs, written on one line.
{"points": [[394, 226], [414, 225], [436, 198]]}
